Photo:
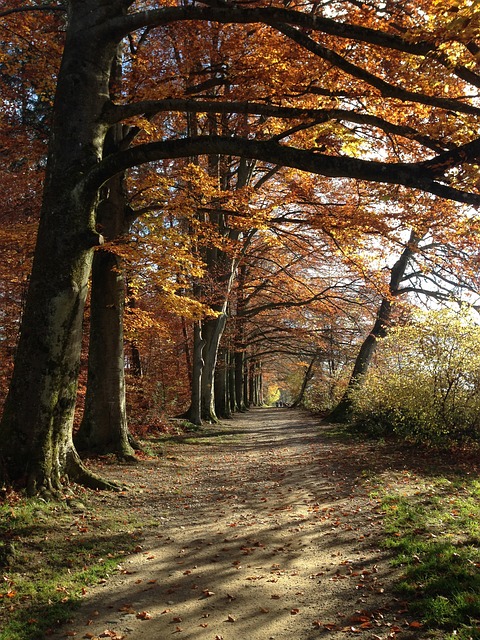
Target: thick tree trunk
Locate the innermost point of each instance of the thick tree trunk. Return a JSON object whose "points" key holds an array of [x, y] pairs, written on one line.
{"points": [[104, 428], [212, 333], [36, 430]]}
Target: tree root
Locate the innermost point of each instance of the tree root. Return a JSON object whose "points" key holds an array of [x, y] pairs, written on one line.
{"points": [[78, 472]]}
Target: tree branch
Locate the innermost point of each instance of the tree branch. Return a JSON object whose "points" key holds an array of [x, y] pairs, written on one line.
{"points": [[41, 7], [412, 175], [148, 108], [274, 16], [385, 88]]}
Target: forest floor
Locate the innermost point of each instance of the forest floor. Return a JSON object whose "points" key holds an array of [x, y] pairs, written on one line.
{"points": [[265, 527]]}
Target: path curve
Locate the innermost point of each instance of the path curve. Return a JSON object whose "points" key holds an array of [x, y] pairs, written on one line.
{"points": [[267, 531]]}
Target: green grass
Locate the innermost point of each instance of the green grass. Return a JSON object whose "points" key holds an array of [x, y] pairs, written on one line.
{"points": [[435, 536], [48, 556]]}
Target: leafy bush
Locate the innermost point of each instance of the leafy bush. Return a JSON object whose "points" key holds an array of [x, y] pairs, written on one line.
{"points": [[425, 382]]}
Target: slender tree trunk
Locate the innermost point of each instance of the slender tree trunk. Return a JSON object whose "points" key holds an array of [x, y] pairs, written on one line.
{"points": [[222, 393], [136, 366], [232, 382], [36, 429], [194, 413], [342, 411], [306, 379]]}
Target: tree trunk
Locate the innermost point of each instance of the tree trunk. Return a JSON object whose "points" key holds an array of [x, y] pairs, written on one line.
{"points": [[342, 411], [232, 394], [306, 379], [212, 333], [222, 390], [104, 428], [194, 413], [36, 430]]}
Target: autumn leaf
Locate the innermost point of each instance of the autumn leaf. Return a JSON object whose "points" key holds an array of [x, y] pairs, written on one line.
{"points": [[144, 615]]}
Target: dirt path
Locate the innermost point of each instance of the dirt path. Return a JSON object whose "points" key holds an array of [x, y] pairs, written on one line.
{"points": [[265, 532]]}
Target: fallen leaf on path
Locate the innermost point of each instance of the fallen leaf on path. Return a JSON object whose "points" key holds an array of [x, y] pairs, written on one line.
{"points": [[144, 615]]}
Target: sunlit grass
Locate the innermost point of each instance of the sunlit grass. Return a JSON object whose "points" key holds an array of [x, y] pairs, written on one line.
{"points": [[49, 556], [436, 538]]}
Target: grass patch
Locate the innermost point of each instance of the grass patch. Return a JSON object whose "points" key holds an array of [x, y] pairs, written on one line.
{"points": [[435, 535], [49, 555]]}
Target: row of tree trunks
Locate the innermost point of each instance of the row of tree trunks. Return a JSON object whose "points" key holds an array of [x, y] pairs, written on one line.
{"points": [[248, 382]]}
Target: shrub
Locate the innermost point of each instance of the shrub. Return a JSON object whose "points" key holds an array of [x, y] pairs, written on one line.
{"points": [[425, 382]]}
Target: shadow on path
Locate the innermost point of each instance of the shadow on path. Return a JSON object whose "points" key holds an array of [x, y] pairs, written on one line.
{"points": [[269, 531]]}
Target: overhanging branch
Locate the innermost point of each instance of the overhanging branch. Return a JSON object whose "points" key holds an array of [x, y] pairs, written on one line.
{"points": [[412, 175]]}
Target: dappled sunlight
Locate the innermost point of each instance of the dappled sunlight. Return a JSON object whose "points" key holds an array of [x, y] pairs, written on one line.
{"points": [[270, 531]]}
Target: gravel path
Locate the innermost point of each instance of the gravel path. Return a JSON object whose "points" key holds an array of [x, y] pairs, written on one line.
{"points": [[266, 531]]}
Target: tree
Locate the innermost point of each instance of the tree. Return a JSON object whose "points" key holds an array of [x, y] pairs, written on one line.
{"points": [[36, 431]]}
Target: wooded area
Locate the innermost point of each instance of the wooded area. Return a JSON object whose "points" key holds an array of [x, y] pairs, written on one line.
{"points": [[213, 205]]}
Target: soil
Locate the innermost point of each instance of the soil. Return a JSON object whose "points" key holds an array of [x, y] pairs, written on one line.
{"points": [[262, 528]]}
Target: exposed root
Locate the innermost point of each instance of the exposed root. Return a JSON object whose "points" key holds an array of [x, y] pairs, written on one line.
{"points": [[78, 472]]}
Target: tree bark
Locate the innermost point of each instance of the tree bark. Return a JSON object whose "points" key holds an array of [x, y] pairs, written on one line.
{"points": [[194, 413], [222, 389], [212, 333], [104, 428]]}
